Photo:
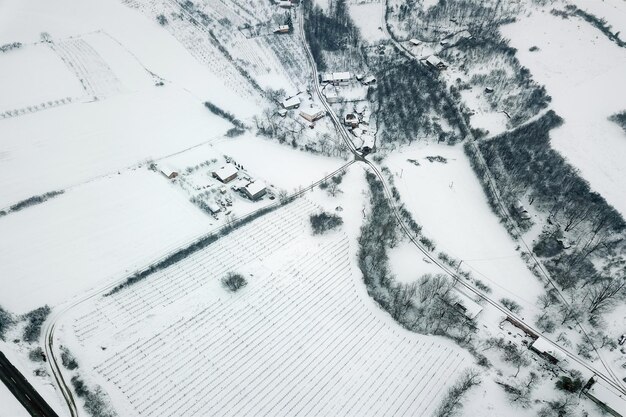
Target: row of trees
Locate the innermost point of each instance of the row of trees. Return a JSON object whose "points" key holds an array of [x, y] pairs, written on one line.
{"points": [[31, 201]]}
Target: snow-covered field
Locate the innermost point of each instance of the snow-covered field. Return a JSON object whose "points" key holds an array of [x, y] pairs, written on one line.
{"points": [[612, 11], [368, 17], [24, 82], [11, 407], [47, 150], [449, 202], [302, 338], [90, 235], [584, 73]]}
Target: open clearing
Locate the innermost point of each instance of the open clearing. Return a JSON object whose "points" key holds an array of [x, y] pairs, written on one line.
{"points": [[302, 338], [23, 84], [449, 202], [584, 73], [89, 235]]}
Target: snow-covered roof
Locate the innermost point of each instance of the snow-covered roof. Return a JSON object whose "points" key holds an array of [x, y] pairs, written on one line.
{"points": [[283, 27], [312, 111], [214, 207], [226, 171], [470, 307], [608, 396], [369, 79], [543, 346], [415, 41], [255, 187], [291, 102], [341, 76], [167, 169], [434, 60]]}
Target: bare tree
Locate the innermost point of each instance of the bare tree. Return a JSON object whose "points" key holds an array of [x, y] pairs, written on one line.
{"points": [[602, 296], [451, 403]]}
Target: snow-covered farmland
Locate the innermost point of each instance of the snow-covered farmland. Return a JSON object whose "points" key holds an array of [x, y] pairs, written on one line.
{"points": [[302, 338], [48, 150], [90, 235], [34, 75], [280, 165], [368, 16], [11, 407], [584, 73], [449, 202]]}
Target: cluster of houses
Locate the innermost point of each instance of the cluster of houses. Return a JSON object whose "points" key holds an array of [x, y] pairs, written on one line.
{"points": [[357, 123], [344, 78], [309, 113], [253, 190]]}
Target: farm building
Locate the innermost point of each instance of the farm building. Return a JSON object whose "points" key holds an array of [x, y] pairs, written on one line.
{"points": [[415, 42], [282, 29], [370, 79], [226, 173], [436, 62], [291, 103], [168, 171], [254, 190], [312, 114], [336, 77], [467, 306], [547, 350], [607, 398], [351, 120]]}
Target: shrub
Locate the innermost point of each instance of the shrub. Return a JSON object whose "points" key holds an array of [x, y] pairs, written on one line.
{"points": [[511, 305], [482, 286], [161, 19], [67, 359], [568, 384], [224, 114], [36, 354], [35, 320], [324, 222], [234, 282], [95, 402], [6, 321]]}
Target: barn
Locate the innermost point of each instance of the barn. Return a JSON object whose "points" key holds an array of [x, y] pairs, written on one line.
{"points": [[312, 114], [547, 350], [255, 190], [226, 173], [169, 171]]}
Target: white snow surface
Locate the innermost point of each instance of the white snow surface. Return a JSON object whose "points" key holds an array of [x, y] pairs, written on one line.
{"points": [[368, 17], [449, 203], [9, 405], [50, 150], [90, 235], [613, 11], [303, 337], [583, 71]]}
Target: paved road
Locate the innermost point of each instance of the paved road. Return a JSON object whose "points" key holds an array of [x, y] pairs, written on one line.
{"points": [[23, 391]]}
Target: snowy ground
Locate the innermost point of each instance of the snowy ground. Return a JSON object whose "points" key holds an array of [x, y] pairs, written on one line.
{"points": [[368, 17], [584, 73], [303, 337], [90, 235], [612, 11], [448, 201], [47, 150]]}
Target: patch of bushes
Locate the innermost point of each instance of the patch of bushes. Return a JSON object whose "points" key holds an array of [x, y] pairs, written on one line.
{"points": [[482, 286], [9, 46], [568, 384], [234, 282], [6, 321], [95, 402], [67, 359], [224, 114], [511, 305], [620, 119], [34, 321], [31, 201], [547, 246], [36, 354], [234, 132], [323, 222], [161, 19]]}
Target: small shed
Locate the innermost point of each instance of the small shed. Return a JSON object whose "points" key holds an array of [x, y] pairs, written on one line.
{"points": [[291, 103], [226, 173], [548, 350], [282, 29], [282, 112], [255, 190], [286, 4], [169, 171], [312, 114], [467, 306], [370, 79], [606, 397], [214, 208], [436, 62], [351, 120]]}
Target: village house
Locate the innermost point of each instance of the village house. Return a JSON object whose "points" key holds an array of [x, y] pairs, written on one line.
{"points": [[351, 120], [291, 103], [336, 78], [282, 29], [312, 114], [226, 173], [370, 79], [255, 190], [285, 4], [547, 350], [436, 62], [467, 306], [415, 42], [168, 171], [607, 398]]}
